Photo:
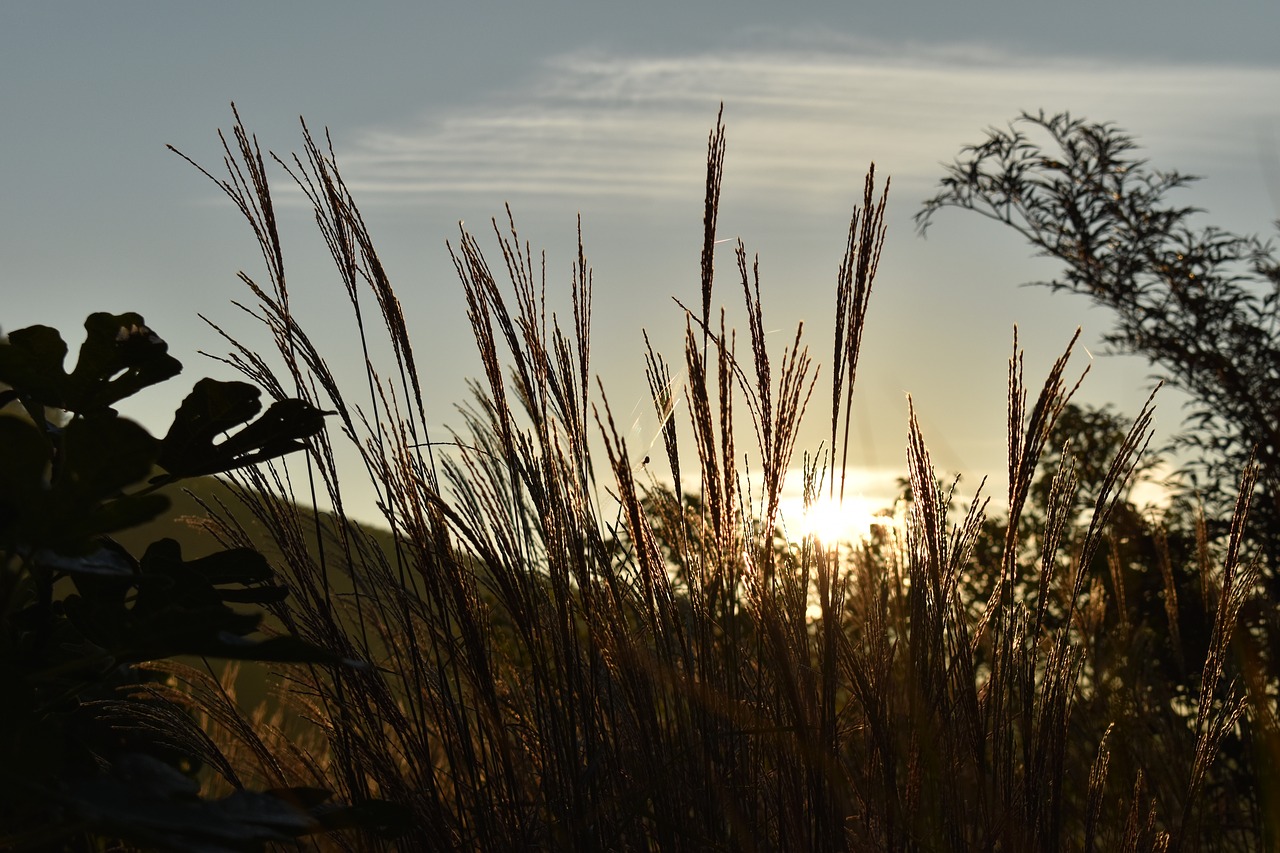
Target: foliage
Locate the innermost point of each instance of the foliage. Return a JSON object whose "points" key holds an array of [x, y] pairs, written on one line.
{"points": [[571, 654], [1199, 303], [89, 751]]}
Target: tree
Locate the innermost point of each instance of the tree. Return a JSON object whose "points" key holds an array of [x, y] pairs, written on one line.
{"points": [[1199, 303]]}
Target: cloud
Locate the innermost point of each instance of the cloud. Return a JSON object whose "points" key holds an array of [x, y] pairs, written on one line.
{"points": [[803, 124]]}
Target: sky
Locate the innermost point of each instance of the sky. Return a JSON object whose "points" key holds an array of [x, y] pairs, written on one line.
{"points": [[444, 113]]}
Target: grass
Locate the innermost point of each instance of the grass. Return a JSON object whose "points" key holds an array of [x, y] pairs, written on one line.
{"points": [[569, 658]]}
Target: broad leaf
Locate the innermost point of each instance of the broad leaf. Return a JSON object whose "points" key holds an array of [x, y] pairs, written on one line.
{"points": [[98, 456], [31, 361], [24, 458], [213, 409], [148, 802], [119, 357], [101, 455], [287, 649], [180, 610]]}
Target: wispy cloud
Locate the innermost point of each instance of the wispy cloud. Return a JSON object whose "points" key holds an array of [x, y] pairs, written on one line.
{"points": [[803, 123]]}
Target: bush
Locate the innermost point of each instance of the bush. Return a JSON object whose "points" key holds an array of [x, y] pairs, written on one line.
{"points": [[91, 750]]}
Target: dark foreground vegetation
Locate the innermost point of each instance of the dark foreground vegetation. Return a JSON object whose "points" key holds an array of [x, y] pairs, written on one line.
{"points": [[555, 650]]}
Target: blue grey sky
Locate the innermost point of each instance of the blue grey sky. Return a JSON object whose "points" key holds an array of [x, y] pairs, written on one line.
{"points": [[444, 112]]}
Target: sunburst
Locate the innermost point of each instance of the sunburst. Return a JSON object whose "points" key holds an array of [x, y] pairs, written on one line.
{"points": [[831, 521]]}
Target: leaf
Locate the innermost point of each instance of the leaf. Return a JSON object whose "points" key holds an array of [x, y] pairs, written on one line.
{"points": [[98, 456], [211, 409], [385, 818], [102, 454], [149, 802], [256, 595], [286, 649], [108, 561], [124, 513], [119, 357], [277, 431], [235, 565], [24, 456], [31, 361], [179, 610], [214, 408], [302, 797]]}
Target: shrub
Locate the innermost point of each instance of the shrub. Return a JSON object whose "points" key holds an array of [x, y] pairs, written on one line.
{"points": [[91, 751]]}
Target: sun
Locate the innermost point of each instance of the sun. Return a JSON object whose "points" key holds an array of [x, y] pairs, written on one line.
{"points": [[832, 521]]}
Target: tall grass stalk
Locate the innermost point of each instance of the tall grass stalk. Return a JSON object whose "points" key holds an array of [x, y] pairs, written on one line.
{"points": [[569, 657]]}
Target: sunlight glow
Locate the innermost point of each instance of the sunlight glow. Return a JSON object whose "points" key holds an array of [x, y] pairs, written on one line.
{"points": [[832, 522]]}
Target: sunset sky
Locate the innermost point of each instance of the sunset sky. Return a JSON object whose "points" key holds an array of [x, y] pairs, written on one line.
{"points": [[441, 113]]}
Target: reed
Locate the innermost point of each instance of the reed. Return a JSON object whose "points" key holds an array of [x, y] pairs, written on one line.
{"points": [[569, 657]]}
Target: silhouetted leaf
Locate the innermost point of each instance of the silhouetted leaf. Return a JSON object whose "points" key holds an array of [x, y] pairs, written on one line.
{"points": [[215, 408], [103, 454], [24, 456], [119, 357], [255, 595], [31, 361], [123, 513], [279, 650], [110, 561], [148, 802], [180, 610], [98, 456], [386, 819], [235, 565]]}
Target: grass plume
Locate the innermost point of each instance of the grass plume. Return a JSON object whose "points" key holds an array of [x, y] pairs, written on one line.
{"points": [[567, 656]]}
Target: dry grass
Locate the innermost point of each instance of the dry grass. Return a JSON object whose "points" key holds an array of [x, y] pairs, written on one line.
{"points": [[567, 658]]}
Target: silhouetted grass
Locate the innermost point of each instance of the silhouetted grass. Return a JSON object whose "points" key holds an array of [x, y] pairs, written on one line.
{"points": [[568, 658]]}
